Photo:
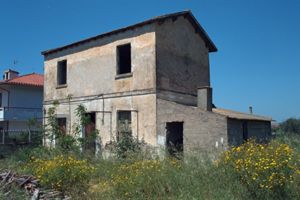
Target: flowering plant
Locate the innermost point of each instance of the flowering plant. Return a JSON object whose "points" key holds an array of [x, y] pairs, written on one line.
{"points": [[263, 166], [61, 172]]}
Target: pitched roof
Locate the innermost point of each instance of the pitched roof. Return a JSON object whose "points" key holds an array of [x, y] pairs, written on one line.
{"points": [[238, 115], [187, 14], [28, 79]]}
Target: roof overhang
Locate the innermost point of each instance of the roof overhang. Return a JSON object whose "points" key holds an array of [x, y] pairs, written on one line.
{"points": [[187, 14]]}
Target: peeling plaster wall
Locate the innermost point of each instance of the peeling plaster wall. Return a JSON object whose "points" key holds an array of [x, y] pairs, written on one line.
{"points": [[91, 67], [143, 114], [91, 77], [182, 59], [201, 129]]}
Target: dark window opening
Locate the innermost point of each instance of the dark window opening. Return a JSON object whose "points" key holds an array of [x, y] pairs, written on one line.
{"points": [[124, 59], [124, 124], [62, 125], [62, 72], [174, 138], [90, 132]]}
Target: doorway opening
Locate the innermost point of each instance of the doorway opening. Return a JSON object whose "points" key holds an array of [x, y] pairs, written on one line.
{"points": [[174, 139], [245, 131], [90, 133]]}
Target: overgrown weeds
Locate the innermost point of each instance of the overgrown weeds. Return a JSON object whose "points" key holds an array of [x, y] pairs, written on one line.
{"points": [[250, 171]]}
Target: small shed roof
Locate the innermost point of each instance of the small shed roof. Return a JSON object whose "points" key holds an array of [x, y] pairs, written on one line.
{"points": [[28, 79], [187, 14], [239, 115]]}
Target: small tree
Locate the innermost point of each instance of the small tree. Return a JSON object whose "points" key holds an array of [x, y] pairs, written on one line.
{"points": [[32, 122], [51, 127]]}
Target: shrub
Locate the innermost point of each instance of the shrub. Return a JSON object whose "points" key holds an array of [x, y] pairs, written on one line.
{"points": [[127, 145], [291, 125], [263, 168], [62, 172]]}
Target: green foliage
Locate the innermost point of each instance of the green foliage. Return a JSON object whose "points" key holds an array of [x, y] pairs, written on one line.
{"points": [[166, 179], [14, 193], [69, 142], [198, 176], [291, 125], [126, 145], [52, 131], [31, 122]]}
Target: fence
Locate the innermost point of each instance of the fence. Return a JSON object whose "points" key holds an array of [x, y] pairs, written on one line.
{"points": [[20, 137], [14, 140]]}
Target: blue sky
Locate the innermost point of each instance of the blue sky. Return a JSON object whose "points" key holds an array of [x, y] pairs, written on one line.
{"points": [[258, 62]]}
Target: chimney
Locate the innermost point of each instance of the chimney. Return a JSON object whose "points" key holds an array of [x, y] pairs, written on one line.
{"points": [[9, 74], [204, 98], [250, 110]]}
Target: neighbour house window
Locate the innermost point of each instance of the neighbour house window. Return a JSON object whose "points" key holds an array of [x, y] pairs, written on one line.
{"points": [[124, 123], [62, 125], [124, 59], [62, 72], [0, 100]]}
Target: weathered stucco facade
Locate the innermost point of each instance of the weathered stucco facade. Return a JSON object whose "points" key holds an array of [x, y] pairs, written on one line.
{"points": [[169, 62]]}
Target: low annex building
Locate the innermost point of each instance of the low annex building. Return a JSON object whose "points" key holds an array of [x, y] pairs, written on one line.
{"points": [[152, 78]]}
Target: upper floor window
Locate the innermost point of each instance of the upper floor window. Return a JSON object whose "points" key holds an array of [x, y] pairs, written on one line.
{"points": [[62, 72], [124, 59]]}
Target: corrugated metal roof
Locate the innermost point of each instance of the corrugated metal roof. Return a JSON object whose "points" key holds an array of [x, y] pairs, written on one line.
{"points": [[188, 14], [238, 115], [28, 79]]}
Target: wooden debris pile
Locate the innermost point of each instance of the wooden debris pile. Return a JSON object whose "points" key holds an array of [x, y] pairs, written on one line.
{"points": [[8, 179]]}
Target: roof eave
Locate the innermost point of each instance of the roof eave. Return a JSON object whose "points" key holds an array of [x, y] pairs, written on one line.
{"points": [[210, 45], [249, 119]]}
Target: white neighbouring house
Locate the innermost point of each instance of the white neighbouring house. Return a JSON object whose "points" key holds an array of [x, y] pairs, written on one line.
{"points": [[21, 99]]}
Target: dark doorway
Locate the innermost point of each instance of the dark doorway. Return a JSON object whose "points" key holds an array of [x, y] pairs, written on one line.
{"points": [[174, 138], [245, 131], [62, 125], [90, 133]]}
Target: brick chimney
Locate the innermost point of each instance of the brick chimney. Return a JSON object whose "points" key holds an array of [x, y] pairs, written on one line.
{"points": [[9, 74], [204, 98]]}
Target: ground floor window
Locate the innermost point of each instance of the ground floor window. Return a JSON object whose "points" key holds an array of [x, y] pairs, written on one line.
{"points": [[62, 125], [124, 123]]}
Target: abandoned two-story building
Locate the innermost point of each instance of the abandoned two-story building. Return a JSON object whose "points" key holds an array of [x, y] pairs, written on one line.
{"points": [[154, 77]]}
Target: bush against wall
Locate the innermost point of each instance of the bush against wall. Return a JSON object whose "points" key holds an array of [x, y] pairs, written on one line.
{"points": [[73, 141]]}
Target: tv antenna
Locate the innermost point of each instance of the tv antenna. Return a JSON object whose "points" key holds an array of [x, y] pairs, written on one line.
{"points": [[15, 62]]}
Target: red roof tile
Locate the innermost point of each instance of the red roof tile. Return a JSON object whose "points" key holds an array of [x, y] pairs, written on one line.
{"points": [[28, 79]]}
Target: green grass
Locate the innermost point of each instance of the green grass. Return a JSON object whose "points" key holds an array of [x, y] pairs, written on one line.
{"points": [[198, 177]]}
